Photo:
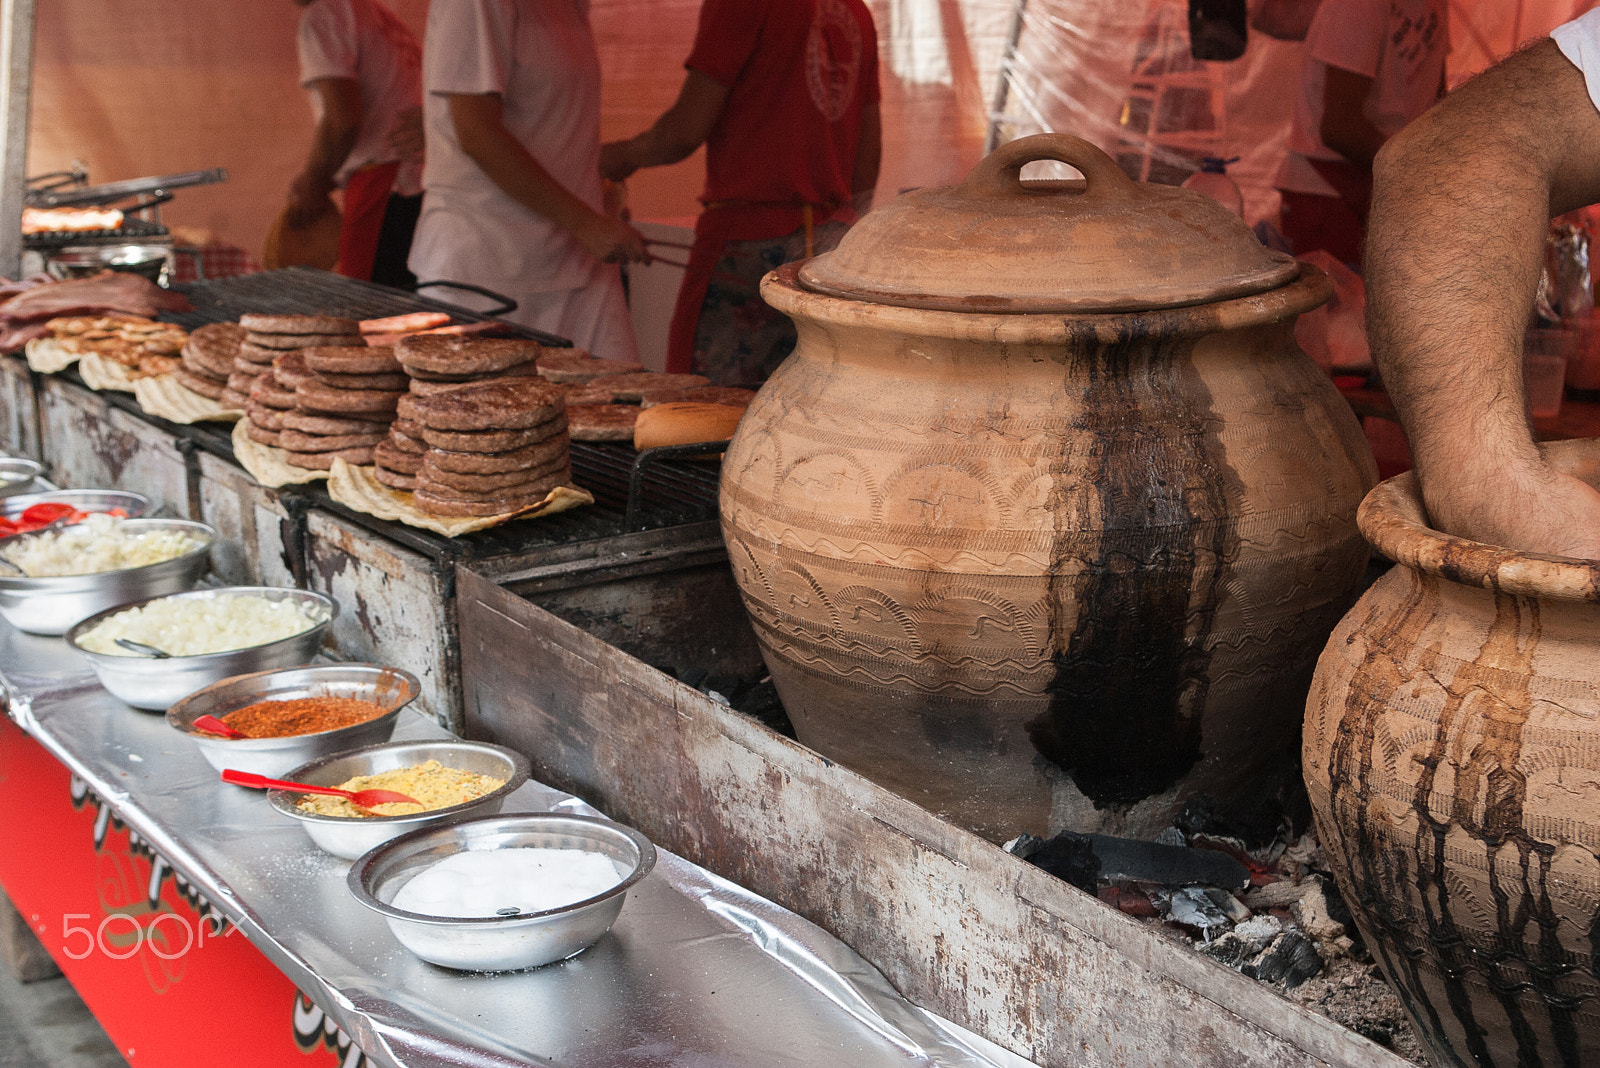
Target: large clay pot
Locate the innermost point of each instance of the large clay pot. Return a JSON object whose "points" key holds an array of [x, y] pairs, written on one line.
{"points": [[1026, 555], [1452, 752]]}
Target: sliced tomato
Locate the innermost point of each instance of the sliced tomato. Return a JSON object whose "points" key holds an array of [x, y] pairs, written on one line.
{"points": [[47, 512]]}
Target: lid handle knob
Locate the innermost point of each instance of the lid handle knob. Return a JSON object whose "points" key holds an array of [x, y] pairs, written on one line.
{"points": [[1000, 172]]}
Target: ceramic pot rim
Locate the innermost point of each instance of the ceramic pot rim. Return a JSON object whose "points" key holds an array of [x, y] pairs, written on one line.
{"points": [[1394, 520], [783, 290]]}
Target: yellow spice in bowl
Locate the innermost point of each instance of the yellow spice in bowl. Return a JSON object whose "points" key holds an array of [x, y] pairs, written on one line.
{"points": [[431, 783]]}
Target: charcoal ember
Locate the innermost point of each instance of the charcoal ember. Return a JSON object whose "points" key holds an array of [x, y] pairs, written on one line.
{"points": [[1229, 905], [1381, 1033], [1258, 932], [1069, 857], [1231, 950], [1193, 907], [1129, 900], [1172, 837], [1133, 860], [1277, 801], [1314, 911], [1290, 961]]}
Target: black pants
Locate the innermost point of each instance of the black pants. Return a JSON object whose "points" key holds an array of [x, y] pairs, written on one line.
{"points": [[394, 242]]}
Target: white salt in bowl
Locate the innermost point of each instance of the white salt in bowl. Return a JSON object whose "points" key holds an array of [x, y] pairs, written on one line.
{"points": [[502, 943]]}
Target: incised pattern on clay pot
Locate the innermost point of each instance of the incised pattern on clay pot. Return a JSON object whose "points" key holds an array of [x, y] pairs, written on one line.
{"points": [[1451, 755]]}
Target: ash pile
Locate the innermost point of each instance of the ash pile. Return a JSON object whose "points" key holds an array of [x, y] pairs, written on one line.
{"points": [[1252, 893]]}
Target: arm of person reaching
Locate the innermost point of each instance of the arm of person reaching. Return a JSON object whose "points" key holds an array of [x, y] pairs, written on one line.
{"points": [[680, 130], [335, 136], [1463, 199], [869, 159], [484, 138], [1345, 126]]}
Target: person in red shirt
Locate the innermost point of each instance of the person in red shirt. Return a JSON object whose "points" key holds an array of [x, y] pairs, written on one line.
{"points": [[784, 95]]}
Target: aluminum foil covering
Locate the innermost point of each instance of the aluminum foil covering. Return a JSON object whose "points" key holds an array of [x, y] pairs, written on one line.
{"points": [[696, 972]]}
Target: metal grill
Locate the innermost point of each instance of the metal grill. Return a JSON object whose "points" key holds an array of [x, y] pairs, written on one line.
{"points": [[131, 232], [664, 492]]}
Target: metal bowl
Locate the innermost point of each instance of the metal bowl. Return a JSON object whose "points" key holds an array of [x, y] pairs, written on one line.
{"points": [[159, 683], [495, 944], [17, 475], [53, 605], [12, 506], [84, 261], [274, 757], [351, 836]]}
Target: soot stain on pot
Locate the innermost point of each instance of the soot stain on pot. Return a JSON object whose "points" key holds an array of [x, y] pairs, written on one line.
{"points": [[1488, 780], [1131, 679]]}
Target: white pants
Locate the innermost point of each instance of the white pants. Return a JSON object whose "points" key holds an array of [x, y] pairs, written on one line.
{"points": [[593, 317]]}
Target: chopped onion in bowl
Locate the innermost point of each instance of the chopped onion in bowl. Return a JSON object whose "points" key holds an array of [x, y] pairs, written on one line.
{"points": [[96, 545], [194, 626]]}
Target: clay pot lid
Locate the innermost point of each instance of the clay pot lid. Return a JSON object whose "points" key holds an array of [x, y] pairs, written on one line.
{"points": [[995, 243]]}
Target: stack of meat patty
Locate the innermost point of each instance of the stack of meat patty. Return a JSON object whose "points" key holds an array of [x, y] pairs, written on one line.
{"points": [[207, 358], [490, 447], [343, 404], [269, 336], [439, 364]]}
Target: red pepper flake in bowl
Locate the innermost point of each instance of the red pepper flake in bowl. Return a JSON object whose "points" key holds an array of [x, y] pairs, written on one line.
{"points": [[304, 715]]}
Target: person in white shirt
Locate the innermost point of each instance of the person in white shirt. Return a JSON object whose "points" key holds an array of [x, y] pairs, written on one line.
{"points": [[364, 70], [1462, 202], [513, 196], [1370, 67]]}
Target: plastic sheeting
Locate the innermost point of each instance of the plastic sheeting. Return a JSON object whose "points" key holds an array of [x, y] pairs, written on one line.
{"points": [[138, 87]]}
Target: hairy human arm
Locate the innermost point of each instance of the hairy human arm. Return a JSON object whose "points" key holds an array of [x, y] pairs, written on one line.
{"points": [[1462, 203], [331, 143], [869, 158], [1345, 126], [476, 118], [680, 130]]}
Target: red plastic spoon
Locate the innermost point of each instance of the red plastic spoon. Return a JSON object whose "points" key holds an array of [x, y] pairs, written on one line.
{"points": [[358, 798], [212, 725]]}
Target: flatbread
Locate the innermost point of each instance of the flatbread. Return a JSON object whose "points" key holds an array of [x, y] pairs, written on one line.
{"points": [[456, 506], [601, 422]]}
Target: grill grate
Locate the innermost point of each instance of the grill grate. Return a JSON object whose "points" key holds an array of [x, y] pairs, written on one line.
{"points": [[131, 232], [671, 492]]}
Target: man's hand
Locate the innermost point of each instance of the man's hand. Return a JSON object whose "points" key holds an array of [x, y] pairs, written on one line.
{"points": [[1539, 510], [1462, 203], [308, 200], [615, 162], [611, 240]]}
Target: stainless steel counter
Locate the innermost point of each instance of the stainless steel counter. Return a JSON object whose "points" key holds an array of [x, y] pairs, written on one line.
{"points": [[696, 971]]}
